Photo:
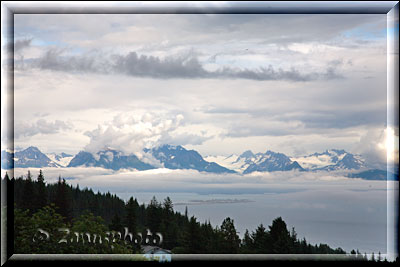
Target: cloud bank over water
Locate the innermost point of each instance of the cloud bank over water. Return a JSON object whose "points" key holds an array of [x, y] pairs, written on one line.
{"points": [[191, 181]]}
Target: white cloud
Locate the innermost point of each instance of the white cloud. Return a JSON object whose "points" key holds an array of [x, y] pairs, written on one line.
{"points": [[41, 126], [132, 132], [379, 146], [191, 181]]}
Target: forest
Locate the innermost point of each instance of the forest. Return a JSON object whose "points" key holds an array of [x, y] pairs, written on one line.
{"points": [[60, 218]]}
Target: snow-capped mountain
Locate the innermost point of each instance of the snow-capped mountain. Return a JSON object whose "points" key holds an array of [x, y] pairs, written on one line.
{"points": [[109, 159], [232, 162], [249, 162], [331, 160], [30, 157], [61, 159], [177, 157]]}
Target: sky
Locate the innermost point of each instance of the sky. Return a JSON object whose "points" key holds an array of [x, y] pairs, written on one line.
{"points": [[220, 84]]}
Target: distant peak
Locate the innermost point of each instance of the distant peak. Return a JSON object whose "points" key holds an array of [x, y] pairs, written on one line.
{"points": [[269, 152], [247, 154], [339, 151], [32, 149], [171, 147]]}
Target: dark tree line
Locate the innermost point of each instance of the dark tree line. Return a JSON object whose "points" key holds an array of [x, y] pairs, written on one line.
{"points": [[59, 205]]}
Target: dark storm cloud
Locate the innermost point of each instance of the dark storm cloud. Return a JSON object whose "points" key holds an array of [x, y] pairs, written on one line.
{"points": [[187, 67]]}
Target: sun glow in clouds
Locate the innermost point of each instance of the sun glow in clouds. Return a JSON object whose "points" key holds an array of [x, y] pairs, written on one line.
{"points": [[390, 145]]}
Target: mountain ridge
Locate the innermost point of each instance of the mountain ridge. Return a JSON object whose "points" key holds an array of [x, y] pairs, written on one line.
{"points": [[177, 157]]}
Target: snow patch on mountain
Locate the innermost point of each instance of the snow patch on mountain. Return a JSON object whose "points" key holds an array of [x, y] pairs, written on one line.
{"points": [[332, 159], [62, 159]]}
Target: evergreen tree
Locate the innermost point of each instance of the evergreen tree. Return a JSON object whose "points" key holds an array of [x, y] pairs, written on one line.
{"points": [[192, 237], [131, 210], [261, 238], [294, 244], [247, 243], [28, 194], [154, 215], [41, 193], [168, 227], [62, 200], [280, 236], [229, 234], [168, 206]]}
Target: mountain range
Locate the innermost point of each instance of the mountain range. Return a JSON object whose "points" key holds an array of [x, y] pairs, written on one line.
{"points": [[109, 159], [249, 162], [330, 160], [177, 157]]}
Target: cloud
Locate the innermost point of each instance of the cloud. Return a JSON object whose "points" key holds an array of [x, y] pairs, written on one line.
{"points": [[269, 74], [41, 126], [186, 66], [192, 181], [185, 139], [278, 81], [379, 147], [53, 59], [21, 44], [131, 133], [150, 66]]}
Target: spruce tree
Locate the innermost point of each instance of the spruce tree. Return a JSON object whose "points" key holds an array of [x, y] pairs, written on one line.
{"points": [[131, 210], [261, 240], [41, 193], [28, 194], [154, 215], [192, 237], [168, 206], [247, 243], [231, 239], [280, 236], [62, 200], [168, 228]]}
